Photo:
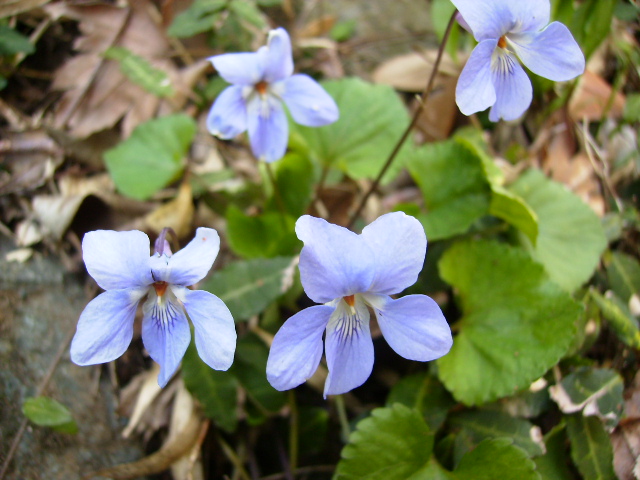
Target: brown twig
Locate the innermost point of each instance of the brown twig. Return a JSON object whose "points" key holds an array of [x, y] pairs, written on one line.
{"points": [[414, 120]]}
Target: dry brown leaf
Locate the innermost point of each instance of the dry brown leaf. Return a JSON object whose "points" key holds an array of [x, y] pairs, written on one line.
{"points": [[14, 7], [97, 94], [189, 466], [317, 27], [176, 214], [147, 382], [626, 437], [593, 98]]}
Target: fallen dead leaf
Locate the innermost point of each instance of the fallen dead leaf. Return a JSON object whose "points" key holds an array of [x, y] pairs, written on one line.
{"points": [[626, 437], [593, 98], [176, 214]]}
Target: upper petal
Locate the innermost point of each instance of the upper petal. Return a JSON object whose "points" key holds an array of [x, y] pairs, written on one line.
{"points": [[413, 326], [334, 261], [348, 348], [475, 91], [513, 88], [245, 68], [228, 115], [279, 61], [486, 18], [552, 53], [268, 128], [399, 244], [531, 15], [117, 260], [308, 102], [193, 262], [297, 348], [165, 334], [214, 327], [105, 328]]}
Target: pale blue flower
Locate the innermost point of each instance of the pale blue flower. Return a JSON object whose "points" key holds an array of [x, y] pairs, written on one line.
{"points": [[262, 81], [120, 263], [349, 274], [507, 30]]}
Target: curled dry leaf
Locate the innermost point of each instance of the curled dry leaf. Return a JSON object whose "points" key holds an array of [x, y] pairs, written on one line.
{"points": [[626, 437], [593, 99], [97, 93], [176, 214]]}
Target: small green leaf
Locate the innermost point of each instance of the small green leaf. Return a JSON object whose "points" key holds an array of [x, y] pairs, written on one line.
{"points": [[140, 72], [514, 210], [248, 287], [249, 366], [495, 459], [426, 394], [591, 448], [47, 412], [215, 390], [313, 424], [12, 42], [482, 424], [516, 325], [624, 275], [267, 235], [454, 185], [294, 179], [248, 12], [619, 317], [595, 391], [553, 465], [591, 23], [201, 16], [151, 157], [570, 235], [372, 119], [632, 107], [392, 444]]}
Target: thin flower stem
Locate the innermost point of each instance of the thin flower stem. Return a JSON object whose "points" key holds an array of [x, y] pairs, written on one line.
{"points": [[342, 416], [233, 457], [414, 120], [293, 431]]}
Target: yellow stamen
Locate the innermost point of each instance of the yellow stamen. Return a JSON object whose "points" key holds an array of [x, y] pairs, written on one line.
{"points": [[161, 288]]}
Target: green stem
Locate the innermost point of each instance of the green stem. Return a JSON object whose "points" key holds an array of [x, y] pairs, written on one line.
{"points": [[342, 416], [414, 120]]}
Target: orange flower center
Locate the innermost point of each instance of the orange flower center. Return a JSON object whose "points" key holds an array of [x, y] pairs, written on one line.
{"points": [[351, 300], [502, 42], [261, 87], [161, 288]]}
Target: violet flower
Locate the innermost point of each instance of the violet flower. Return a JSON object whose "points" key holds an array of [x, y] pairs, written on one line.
{"points": [[506, 29], [349, 274], [261, 82], [120, 263]]}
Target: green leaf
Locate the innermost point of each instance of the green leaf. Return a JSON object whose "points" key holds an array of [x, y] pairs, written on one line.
{"points": [[514, 210], [248, 12], [595, 391], [294, 179], [553, 465], [516, 325], [248, 287], [482, 424], [267, 235], [313, 426], [215, 390], [590, 447], [591, 23], [632, 108], [426, 394], [495, 459], [454, 185], [372, 119], [624, 275], [140, 72], [392, 444], [249, 367], [47, 412], [12, 42], [619, 317], [201, 16], [570, 235], [151, 157]]}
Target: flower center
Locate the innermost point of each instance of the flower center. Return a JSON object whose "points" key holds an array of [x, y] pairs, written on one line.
{"points": [[161, 288], [261, 87], [502, 42]]}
